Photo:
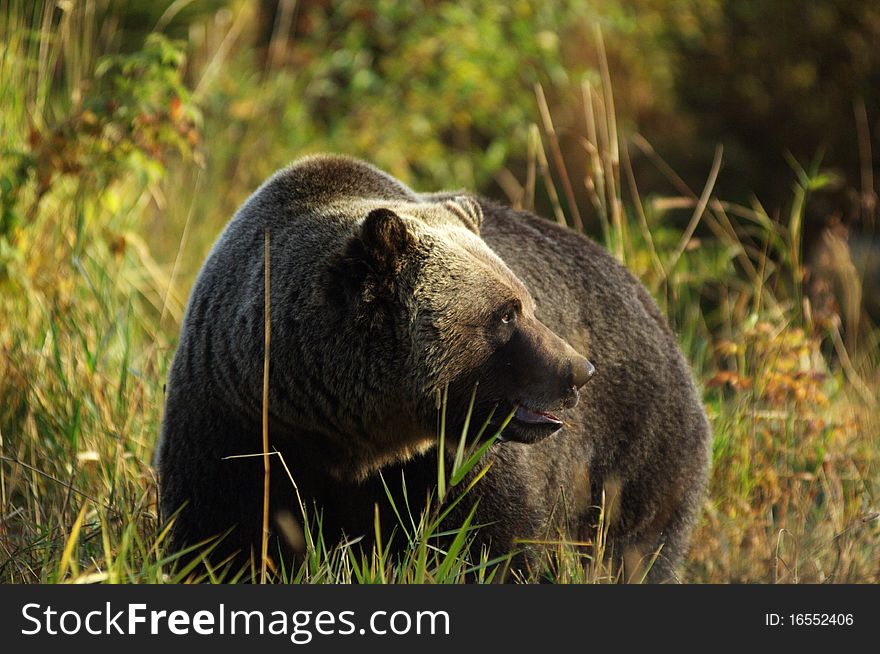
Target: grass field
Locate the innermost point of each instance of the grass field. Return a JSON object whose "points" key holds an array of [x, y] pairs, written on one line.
{"points": [[118, 172]]}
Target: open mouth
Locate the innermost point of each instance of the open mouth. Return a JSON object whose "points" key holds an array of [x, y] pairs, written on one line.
{"points": [[530, 425], [530, 417]]}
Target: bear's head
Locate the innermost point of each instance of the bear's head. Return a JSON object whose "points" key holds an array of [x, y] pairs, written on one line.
{"points": [[428, 293]]}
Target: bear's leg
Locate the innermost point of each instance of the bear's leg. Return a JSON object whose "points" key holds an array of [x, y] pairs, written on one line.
{"points": [[208, 495]]}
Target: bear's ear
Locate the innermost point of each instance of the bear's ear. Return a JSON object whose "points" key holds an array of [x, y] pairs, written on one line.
{"points": [[369, 265], [468, 211], [386, 241]]}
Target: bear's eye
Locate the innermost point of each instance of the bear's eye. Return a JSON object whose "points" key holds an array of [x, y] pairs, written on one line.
{"points": [[508, 316]]}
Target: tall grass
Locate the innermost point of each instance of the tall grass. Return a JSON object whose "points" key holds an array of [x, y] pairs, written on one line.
{"points": [[109, 207]]}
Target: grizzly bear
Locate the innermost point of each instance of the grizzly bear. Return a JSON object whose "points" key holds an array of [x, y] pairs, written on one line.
{"points": [[383, 300]]}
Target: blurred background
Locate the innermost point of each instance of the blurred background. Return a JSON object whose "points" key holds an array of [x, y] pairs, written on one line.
{"points": [[724, 150]]}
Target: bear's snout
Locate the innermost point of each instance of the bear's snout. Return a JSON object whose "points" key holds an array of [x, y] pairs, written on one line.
{"points": [[552, 369]]}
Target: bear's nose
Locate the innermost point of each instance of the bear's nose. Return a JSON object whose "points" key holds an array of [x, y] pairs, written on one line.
{"points": [[582, 370]]}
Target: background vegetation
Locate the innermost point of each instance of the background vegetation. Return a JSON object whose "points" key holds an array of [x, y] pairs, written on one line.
{"points": [[725, 151]]}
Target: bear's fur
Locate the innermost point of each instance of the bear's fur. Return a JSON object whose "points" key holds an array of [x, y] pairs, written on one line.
{"points": [[382, 299]]}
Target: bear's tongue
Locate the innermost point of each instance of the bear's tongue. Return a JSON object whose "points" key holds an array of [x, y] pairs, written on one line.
{"points": [[535, 417]]}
